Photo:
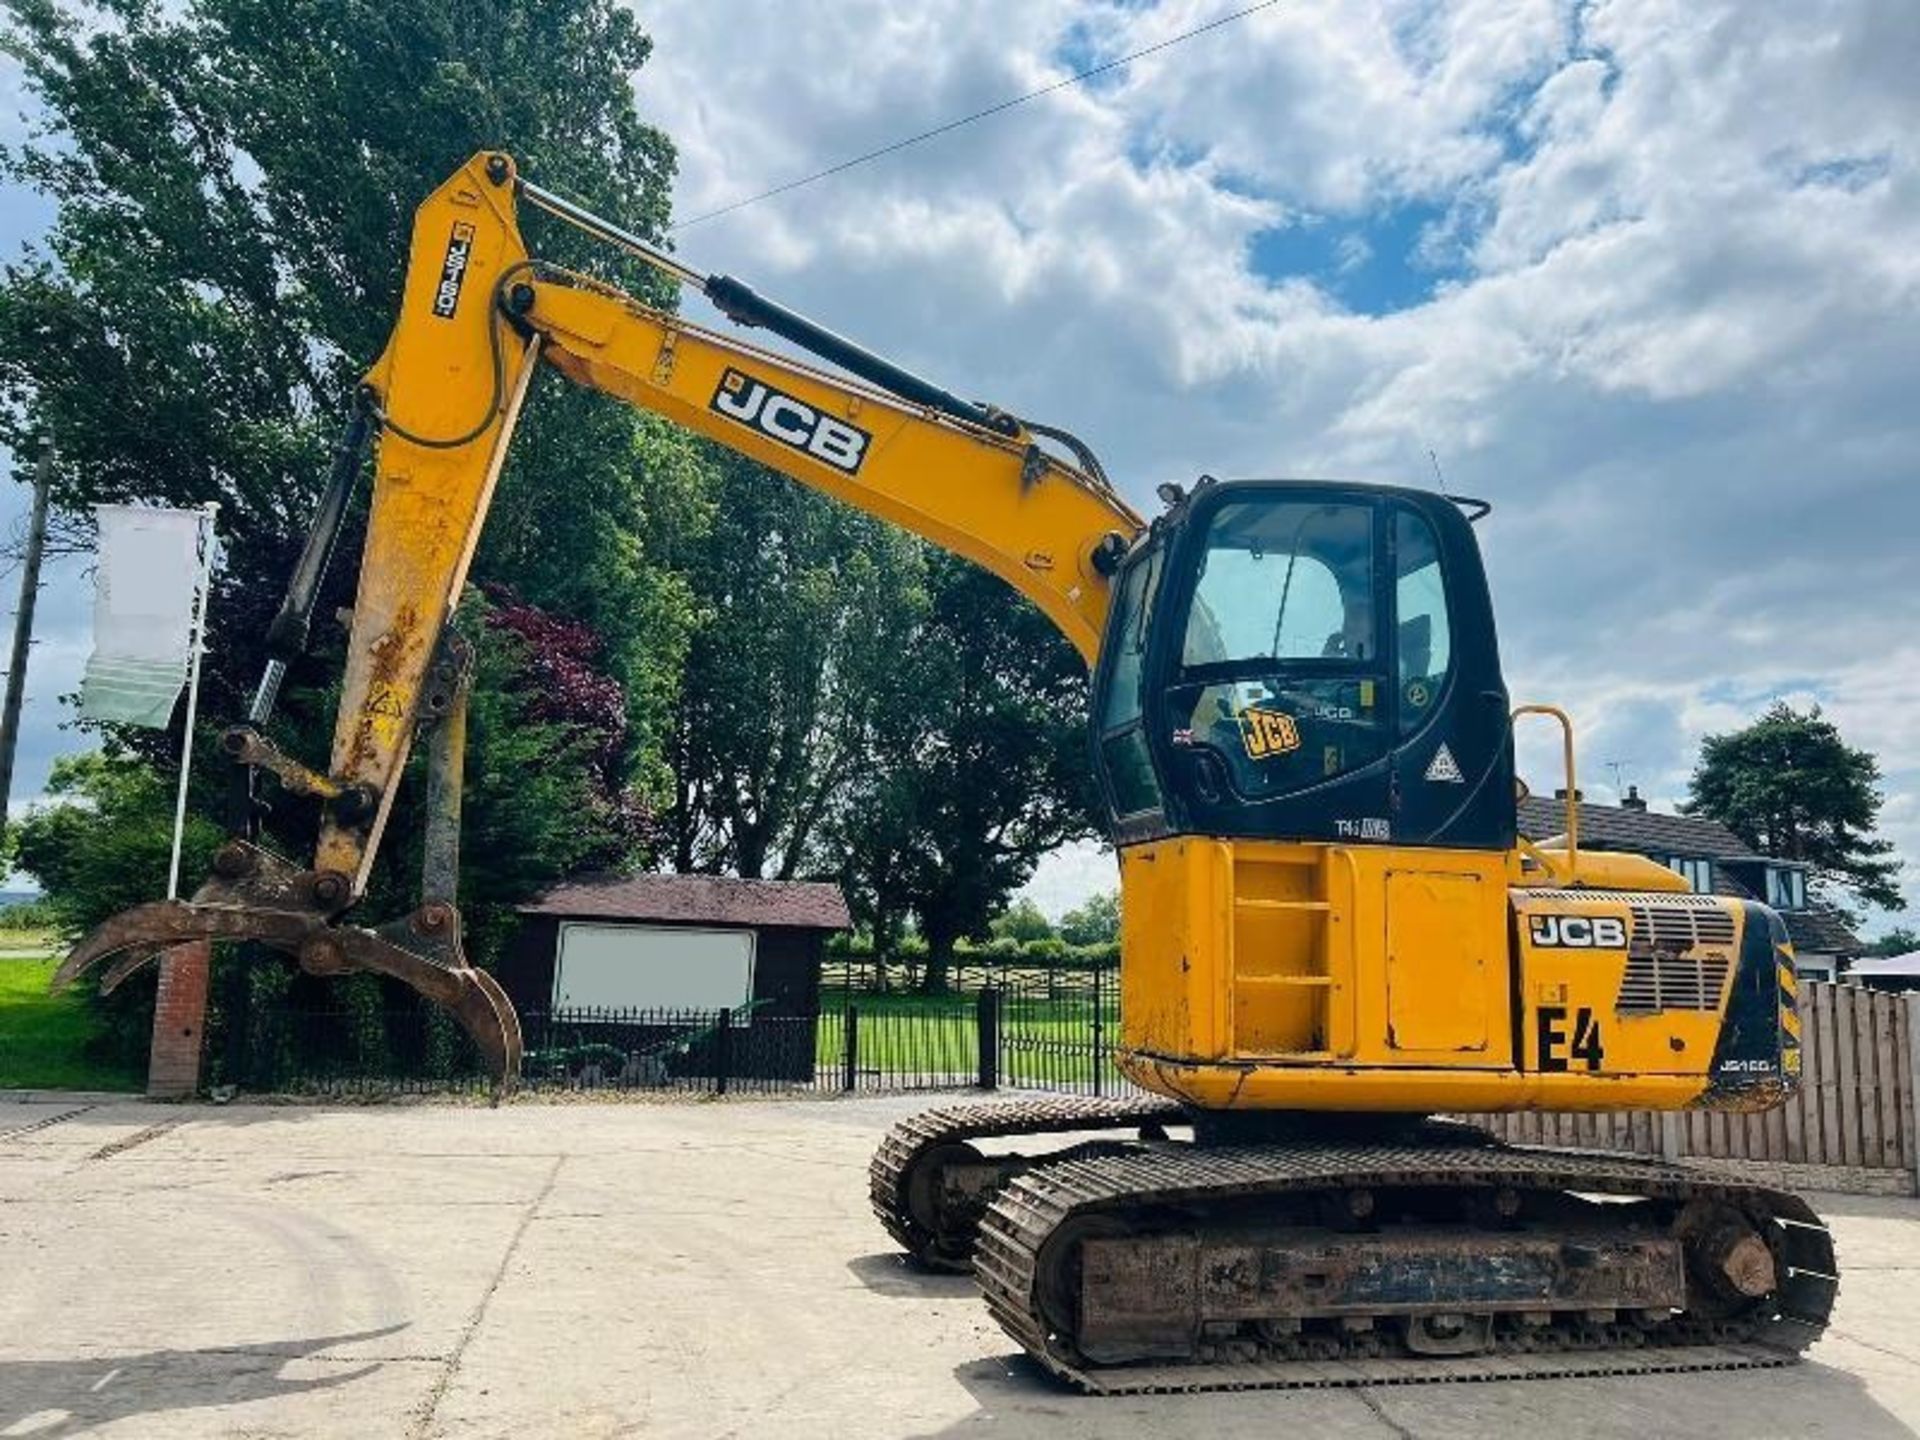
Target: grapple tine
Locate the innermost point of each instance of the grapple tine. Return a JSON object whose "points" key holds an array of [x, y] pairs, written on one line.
{"points": [[253, 895], [126, 965], [153, 928], [424, 951], [507, 1022]]}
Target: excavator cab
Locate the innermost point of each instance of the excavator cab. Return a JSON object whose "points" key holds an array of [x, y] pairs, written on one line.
{"points": [[1306, 661]]}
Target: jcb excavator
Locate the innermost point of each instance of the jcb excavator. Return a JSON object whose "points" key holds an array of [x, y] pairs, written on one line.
{"points": [[1332, 930]]}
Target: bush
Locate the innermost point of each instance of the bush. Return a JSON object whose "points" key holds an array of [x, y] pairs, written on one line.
{"points": [[1050, 953], [35, 914], [1095, 923], [102, 846]]}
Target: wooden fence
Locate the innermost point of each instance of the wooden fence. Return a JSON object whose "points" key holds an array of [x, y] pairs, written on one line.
{"points": [[1853, 1115]]}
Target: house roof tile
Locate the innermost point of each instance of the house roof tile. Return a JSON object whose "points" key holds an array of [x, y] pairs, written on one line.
{"points": [[696, 899], [1614, 827], [1820, 932]]}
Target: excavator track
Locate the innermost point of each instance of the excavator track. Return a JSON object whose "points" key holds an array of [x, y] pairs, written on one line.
{"points": [[1023, 1274], [941, 1236]]}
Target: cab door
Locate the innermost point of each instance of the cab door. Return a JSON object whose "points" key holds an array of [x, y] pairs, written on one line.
{"points": [[1123, 750], [1277, 706]]}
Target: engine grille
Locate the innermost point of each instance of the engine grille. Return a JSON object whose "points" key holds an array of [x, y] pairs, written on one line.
{"points": [[1665, 969], [1664, 926], [1656, 982]]}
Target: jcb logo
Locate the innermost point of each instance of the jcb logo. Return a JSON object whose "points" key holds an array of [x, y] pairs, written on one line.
{"points": [[1267, 733], [794, 423], [1577, 932], [453, 270]]}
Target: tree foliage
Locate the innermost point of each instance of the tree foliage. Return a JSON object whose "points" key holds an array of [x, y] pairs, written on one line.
{"points": [[1901, 940], [234, 183], [105, 844], [1022, 922], [1097, 922], [1792, 788], [802, 608], [985, 738], [102, 846], [547, 794]]}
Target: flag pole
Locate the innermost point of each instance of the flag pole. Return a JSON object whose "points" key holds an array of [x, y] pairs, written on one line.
{"points": [[208, 512]]}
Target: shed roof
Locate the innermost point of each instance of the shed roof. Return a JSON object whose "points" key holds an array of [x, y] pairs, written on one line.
{"points": [[1617, 827], [1902, 965], [697, 900]]}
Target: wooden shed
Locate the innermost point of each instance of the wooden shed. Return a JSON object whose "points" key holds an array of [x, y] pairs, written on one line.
{"points": [[662, 946]]}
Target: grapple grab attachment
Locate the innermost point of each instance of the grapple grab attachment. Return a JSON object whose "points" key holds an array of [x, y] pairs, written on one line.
{"points": [[256, 896]]}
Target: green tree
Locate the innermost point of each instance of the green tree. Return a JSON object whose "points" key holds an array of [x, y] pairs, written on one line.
{"points": [[870, 836], [982, 765], [1790, 787], [546, 790], [803, 605], [1901, 940], [233, 183], [1097, 922], [103, 844], [1023, 921]]}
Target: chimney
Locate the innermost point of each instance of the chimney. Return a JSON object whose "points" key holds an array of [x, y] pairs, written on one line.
{"points": [[1633, 800], [1580, 796]]}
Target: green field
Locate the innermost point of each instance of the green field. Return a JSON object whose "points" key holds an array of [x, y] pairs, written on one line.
{"points": [[43, 1038], [905, 1033]]}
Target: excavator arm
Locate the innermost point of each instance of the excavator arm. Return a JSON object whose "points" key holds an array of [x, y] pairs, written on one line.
{"points": [[478, 316]]}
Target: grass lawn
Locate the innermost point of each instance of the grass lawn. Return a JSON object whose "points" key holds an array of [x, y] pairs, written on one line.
{"points": [[909, 1033], [43, 1038]]}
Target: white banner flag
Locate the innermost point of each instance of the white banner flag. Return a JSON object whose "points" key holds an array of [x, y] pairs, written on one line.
{"points": [[149, 576]]}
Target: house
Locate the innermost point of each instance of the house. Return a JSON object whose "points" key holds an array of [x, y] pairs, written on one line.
{"points": [[672, 952], [1714, 861]]}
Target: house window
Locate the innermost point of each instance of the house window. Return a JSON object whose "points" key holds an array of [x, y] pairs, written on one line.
{"points": [[1698, 873], [1786, 889]]}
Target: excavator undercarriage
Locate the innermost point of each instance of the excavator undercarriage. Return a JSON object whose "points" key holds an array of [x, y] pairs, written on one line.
{"points": [[1351, 1252]]}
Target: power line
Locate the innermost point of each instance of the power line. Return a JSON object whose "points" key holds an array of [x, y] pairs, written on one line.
{"points": [[991, 110]]}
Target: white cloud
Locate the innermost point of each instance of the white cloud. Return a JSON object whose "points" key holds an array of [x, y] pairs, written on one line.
{"points": [[1676, 349], [1070, 874]]}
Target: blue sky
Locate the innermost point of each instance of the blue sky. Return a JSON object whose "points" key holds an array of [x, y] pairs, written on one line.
{"points": [[1372, 264], [1646, 273]]}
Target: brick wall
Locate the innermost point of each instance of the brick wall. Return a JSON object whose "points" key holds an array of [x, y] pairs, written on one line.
{"points": [[179, 1022]]}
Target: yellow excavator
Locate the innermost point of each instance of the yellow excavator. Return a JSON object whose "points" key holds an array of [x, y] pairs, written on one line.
{"points": [[1332, 930]]}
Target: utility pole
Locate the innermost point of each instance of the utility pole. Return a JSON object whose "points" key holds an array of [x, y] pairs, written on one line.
{"points": [[23, 627]]}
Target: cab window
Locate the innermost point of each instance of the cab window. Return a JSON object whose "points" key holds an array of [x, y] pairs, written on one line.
{"points": [[1129, 645], [1282, 683], [1424, 647], [1284, 581], [1131, 782]]}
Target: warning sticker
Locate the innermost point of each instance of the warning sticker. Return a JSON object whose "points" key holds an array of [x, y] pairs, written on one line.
{"points": [[1443, 769]]}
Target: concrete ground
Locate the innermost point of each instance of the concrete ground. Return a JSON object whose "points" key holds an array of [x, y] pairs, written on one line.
{"points": [[695, 1269]]}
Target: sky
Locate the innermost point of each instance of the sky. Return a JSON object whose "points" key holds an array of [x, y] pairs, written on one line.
{"points": [[1644, 273]]}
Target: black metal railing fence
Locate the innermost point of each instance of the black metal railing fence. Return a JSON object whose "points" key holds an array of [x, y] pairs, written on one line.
{"points": [[1017, 1029]]}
